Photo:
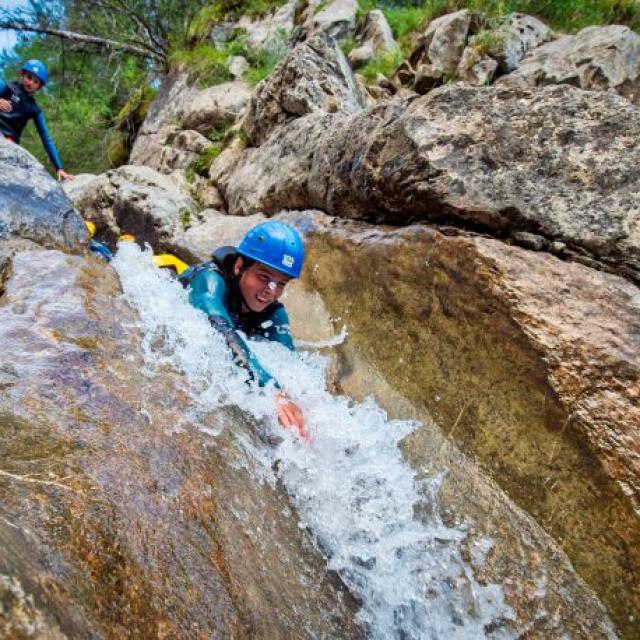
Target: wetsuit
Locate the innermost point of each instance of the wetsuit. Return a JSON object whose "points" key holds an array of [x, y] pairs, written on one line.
{"points": [[214, 289], [24, 108]]}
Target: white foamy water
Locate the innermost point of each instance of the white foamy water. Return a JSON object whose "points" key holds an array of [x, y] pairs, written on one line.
{"points": [[351, 487]]}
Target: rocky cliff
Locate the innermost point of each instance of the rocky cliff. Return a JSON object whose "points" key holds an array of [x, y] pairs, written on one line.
{"points": [[480, 246]]}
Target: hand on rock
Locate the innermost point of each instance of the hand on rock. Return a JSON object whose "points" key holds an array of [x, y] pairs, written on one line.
{"points": [[290, 416], [63, 175]]}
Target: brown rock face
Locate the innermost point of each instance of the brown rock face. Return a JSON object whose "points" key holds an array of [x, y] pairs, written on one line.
{"points": [[118, 518], [559, 163], [530, 364]]}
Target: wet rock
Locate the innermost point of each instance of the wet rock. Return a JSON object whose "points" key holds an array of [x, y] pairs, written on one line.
{"points": [[558, 162], [314, 77], [374, 37], [33, 206], [596, 59], [531, 365], [119, 517], [518, 34], [135, 200], [474, 68]]}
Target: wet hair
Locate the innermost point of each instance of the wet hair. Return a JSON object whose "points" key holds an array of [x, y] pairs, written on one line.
{"points": [[246, 263]]}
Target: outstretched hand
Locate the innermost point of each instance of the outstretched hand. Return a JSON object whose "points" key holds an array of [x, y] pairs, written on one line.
{"points": [[290, 416], [63, 175]]}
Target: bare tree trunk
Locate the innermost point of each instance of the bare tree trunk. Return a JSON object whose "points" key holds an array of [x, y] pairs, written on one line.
{"points": [[141, 51]]}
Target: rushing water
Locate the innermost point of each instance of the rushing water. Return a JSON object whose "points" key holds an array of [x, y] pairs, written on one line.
{"points": [[351, 487]]}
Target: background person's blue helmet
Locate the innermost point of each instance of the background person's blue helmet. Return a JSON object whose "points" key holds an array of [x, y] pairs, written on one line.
{"points": [[275, 244], [38, 69]]}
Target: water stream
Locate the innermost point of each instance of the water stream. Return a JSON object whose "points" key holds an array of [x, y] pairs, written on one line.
{"points": [[351, 487]]}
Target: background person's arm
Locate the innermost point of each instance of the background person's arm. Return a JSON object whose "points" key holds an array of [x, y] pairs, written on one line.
{"points": [[50, 146]]}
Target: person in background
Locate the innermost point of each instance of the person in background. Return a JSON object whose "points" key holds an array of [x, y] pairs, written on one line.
{"points": [[239, 289], [18, 106]]}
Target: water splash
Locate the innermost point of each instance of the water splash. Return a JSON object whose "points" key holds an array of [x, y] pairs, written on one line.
{"points": [[352, 489]]}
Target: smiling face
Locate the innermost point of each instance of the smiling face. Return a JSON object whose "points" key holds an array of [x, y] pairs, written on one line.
{"points": [[259, 285], [29, 82]]}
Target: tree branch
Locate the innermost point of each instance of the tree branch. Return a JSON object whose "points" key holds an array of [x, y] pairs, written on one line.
{"points": [[140, 51]]}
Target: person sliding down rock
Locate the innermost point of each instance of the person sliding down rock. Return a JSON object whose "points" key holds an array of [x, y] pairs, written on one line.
{"points": [[18, 106], [239, 290]]}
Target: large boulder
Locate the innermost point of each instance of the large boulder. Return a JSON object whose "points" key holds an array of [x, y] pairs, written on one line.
{"points": [[181, 105], [33, 206], [336, 18], [558, 164], [517, 34], [443, 43], [596, 59], [121, 515], [135, 200], [529, 363], [315, 77], [215, 107]]}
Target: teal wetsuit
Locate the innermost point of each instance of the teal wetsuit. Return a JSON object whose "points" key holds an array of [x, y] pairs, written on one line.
{"points": [[214, 290]]}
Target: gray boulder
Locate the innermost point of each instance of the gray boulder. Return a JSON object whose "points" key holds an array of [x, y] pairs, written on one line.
{"points": [[314, 77], [596, 59], [443, 43], [135, 200], [215, 106], [336, 19], [517, 34], [180, 105], [33, 206], [558, 162]]}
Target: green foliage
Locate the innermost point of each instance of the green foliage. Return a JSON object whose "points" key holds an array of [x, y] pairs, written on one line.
{"points": [[185, 218], [206, 64], [201, 164], [487, 41], [348, 45], [227, 10], [563, 15], [209, 65], [385, 63]]}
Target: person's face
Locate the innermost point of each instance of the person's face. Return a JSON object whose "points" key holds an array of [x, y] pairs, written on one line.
{"points": [[260, 285], [29, 82]]}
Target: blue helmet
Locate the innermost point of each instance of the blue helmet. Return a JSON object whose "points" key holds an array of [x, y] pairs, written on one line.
{"points": [[38, 69], [275, 244]]}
